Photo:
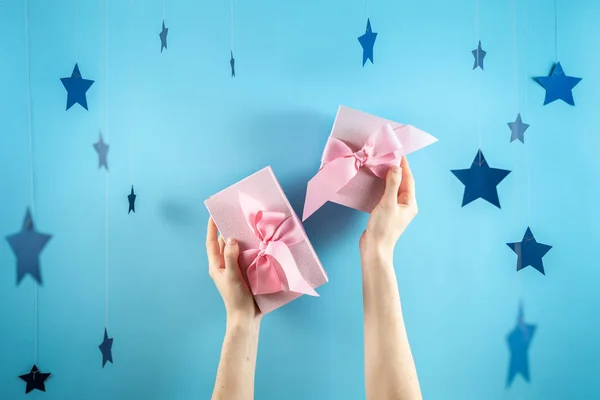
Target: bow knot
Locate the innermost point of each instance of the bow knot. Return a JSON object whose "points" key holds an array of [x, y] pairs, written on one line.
{"points": [[361, 157], [271, 265]]}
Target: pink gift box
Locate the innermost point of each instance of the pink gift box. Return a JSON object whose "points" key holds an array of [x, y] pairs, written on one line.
{"points": [[357, 139], [232, 220]]}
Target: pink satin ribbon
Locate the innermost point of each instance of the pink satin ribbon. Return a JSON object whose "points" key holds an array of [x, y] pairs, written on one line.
{"points": [[340, 164], [275, 233]]}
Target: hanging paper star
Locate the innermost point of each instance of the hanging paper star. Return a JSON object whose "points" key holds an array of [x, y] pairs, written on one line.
{"points": [[480, 181], [76, 88], [163, 37], [519, 340], [106, 349], [35, 380], [27, 246], [131, 197], [558, 85], [518, 129], [479, 55], [529, 252], [232, 63], [367, 41], [102, 150]]}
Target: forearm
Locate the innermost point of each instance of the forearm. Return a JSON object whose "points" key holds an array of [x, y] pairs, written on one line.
{"points": [[235, 376], [389, 367]]}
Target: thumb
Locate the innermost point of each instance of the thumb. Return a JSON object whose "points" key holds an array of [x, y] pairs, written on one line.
{"points": [[392, 185], [231, 254]]}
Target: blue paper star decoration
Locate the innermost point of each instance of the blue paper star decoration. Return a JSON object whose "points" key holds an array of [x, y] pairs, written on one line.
{"points": [[35, 380], [106, 349], [131, 199], [517, 129], [102, 150], [163, 37], [232, 64], [530, 252], [479, 55], [367, 41], [76, 88], [27, 246], [559, 86], [519, 340], [480, 181]]}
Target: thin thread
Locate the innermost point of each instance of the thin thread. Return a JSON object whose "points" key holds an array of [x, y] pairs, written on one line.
{"points": [[163, 10], [526, 150], [367, 7], [76, 30], [556, 30], [477, 18], [106, 171], [516, 50], [131, 92], [478, 94], [231, 23], [31, 172]]}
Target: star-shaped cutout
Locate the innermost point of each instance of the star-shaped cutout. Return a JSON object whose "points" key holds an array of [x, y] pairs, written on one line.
{"points": [[529, 252], [519, 340], [480, 181], [102, 150], [518, 129], [232, 64], [558, 85], [163, 37], [479, 55], [106, 349], [27, 246], [367, 41], [131, 197], [35, 380], [76, 88]]}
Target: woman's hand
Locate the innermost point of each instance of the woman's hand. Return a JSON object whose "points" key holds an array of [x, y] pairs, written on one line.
{"points": [[224, 269], [393, 214]]}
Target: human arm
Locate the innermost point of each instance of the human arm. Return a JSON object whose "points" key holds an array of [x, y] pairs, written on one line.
{"points": [[235, 374], [390, 372]]}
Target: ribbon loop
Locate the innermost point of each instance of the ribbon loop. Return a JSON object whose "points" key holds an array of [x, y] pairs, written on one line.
{"points": [[272, 267]]}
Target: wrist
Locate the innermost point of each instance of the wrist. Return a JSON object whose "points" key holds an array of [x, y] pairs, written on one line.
{"points": [[243, 322], [376, 252]]}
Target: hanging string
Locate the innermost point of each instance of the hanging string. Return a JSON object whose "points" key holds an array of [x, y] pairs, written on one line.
{"points": [[367, 7], [76, 30], [231, 23], [106, 170], [478, 94], [516, 51], [131, 92], [556, 30], [526, 150], [163, 10], [31, 173]]}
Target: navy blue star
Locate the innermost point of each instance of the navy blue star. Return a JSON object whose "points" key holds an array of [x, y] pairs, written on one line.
{"points": [[232, 63], [163, 37], [558, 85], [35, 380], [102, 150], [27, 246], [518, 129], [519, 340], [529, 252], [76, 88], [480, 181], [367, 41], [131, 197], [479, 55], [106, 349]]}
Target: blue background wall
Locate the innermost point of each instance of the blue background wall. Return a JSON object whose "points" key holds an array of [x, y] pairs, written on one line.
{"points": [[196, 130]]}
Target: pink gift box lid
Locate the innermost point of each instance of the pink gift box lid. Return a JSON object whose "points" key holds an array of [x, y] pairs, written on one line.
{"points": [[354, 128], [225, 209]]}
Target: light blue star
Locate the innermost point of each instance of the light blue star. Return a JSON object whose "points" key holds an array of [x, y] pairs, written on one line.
{"points": [[479, 55], [558, 85], [518, 129], [367, 41]]}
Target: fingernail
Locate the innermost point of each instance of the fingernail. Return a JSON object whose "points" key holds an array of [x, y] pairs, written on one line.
{"points": [[395, 169], [231, 242]]}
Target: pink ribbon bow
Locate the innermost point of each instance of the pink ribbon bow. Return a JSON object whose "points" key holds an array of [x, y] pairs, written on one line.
{"points": [[275, 233], [341, 164]]}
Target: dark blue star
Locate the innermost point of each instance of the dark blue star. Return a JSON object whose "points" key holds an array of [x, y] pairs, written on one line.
{"points": [[367, 41], [106, 349], [232, 63], [518, 129], [558, 85], [131, 197], [102, 150], [35, 380], [519, 340], [529, 252], [163, 37], [76, 88], [479, 55], [480, 181], [27, 246]]}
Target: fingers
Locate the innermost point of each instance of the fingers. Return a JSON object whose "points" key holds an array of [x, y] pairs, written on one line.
{"points": [[221, 244], [393, 181], [407, 194], [212, 245], [231, 254]]}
